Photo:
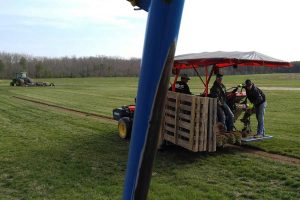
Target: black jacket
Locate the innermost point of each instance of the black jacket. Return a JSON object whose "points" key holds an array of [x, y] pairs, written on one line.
{"points": [[218, 91], [181, 87], [255, 95]]}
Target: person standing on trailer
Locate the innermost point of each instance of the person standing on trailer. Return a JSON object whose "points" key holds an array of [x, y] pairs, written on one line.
{"points": [[258, 98], [224, 113]]}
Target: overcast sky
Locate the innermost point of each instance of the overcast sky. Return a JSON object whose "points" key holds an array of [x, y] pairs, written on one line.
{"points": [[111, 27]]}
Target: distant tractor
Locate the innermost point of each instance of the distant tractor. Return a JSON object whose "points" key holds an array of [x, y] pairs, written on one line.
{"points": [[22, 79]]}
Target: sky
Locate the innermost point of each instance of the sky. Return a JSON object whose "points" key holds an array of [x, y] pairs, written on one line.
{"points": [[56, 28]]}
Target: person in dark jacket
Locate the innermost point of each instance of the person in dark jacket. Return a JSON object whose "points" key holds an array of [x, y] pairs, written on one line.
{"points": [[224, 113], [258, 98], [182, 86]]}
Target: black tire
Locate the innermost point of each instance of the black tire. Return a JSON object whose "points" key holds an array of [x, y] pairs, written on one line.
{"points": [[124, 127], [12, 84]]}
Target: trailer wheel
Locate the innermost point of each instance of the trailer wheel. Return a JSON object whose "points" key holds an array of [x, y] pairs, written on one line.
{"points": [[124, 126]]}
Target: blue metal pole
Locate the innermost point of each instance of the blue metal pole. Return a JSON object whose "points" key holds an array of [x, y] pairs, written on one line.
{"points": [[159, 47]]}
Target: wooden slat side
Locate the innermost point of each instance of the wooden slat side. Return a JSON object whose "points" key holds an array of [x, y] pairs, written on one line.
{"points": [[197, 125], [170, 120], [204, 122], [183, 124], [169, 128], [210, 124], [183, 134], [214, 124], [200, 121], [186, 108], [171, 104], [184, 144], [171, 94], [170, 112], [169, 138], [184, 116], [176, 115], [192, 123]]}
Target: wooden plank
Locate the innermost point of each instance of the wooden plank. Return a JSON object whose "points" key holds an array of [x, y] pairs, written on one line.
{"points": [[204, 122], [172, 94], [169, 138], [214, 148], [185, 107], [171, 104], [176, 115], [184, 116], [168, 128], [183, 133], [186, 97], [184, 144], [197, 125], [184, 125], [170, 112], [170, 120], [192, 124], [210, 125]]}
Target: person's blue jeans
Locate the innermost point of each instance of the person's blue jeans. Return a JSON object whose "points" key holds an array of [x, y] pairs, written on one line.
{"points": [[225, 116], [260, 115]]}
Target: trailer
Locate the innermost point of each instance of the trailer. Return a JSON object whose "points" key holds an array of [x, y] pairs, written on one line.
{"points": [[190, 121]]}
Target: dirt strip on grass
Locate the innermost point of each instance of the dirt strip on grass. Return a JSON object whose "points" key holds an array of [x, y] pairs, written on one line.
{"points": [[261, 153], [69, 110], [246, 149]]}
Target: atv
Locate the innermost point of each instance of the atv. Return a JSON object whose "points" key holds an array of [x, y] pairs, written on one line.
{"points": [[124, 116]]}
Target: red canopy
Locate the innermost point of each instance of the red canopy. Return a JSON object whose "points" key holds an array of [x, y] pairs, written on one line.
{"points": [[220, 59], [226, 59]]}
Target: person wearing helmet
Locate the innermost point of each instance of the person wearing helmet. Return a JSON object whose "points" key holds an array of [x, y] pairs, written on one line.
{"points": [[258, 98]]}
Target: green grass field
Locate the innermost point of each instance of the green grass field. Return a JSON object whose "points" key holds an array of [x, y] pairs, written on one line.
{"points": [[49, 154]]}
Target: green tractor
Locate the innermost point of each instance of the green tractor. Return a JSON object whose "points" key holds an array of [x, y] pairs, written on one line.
{"points": [[22, 79]]}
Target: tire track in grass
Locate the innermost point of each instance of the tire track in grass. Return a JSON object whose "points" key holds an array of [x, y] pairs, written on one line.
{"points": [[69, 110], [245, 149], [261, 153]]}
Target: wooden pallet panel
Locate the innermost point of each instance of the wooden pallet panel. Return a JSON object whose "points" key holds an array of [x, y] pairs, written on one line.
{"points": [[188, 121]]}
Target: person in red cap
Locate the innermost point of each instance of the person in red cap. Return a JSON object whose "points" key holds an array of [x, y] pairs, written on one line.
{"points": [[224, 113], [258, 98]]}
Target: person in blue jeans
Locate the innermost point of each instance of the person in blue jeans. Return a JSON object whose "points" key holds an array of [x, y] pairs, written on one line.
{"points": [[258, 98], [224, 113]]}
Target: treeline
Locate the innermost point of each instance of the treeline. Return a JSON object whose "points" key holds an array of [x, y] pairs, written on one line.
{"points": [[42, 67], [98, 66]]}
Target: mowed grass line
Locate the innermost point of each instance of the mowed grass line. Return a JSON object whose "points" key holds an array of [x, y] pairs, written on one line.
{"points": [[49, 155]]}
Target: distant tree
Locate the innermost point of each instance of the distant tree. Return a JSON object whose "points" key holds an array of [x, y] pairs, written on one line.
{"points": [[2, 67], [38, 69], [23, 63]]}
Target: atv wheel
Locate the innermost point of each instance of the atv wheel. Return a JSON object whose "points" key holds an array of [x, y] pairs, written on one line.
{"points": [[124, 126]]}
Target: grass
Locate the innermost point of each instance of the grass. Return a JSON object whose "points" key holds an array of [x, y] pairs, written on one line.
{"points": [[48, 154]]}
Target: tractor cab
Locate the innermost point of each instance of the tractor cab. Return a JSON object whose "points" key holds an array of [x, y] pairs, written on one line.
{"points": [[21, 75]]}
